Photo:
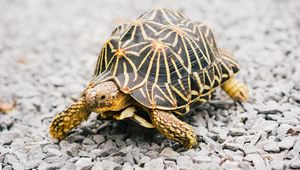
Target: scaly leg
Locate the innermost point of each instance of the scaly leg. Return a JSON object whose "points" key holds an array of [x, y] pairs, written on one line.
{"points": [[173, 128], [235, 89], [68, 119]]}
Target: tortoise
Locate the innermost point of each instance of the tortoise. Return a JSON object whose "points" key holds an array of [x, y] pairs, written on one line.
{"points": [[153, 70]]}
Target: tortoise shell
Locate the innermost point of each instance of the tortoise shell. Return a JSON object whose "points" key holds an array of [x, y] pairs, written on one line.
{"points": [[164, 61]]}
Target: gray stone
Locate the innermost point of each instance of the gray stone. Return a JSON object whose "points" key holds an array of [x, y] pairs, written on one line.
{"points": [[119, 160], [287, 142], [288, 120], [151, 154], [73, 159], [53, 152], [200, 159], [17, 144], [129, 158], [250, 149], [297, 146], [233, 146], [120, 143], [106, 152], [243, 139], [47, 146], [7, 167], [171, 165], [256, 138], [230, 165], [282, 130], [8, 137], [88, 141], [98, 138], [95, 153], [137, 155], [72, 149], [212, 144], [184, 162], [32, 164], [97, 166], [136, 167], [169, 153], [155, 164], [54, 159], [221, 133], [154, 147], [271, 146], [84, 164], [237, 131], [143, 145], [127, 166], [201, 131], [258, 162], [75, 138], [69, 166], [12, 160], [276, 161], [265, 125], [222, 137], [295, 163], [275, 117], [143, 160], [109, 165]]}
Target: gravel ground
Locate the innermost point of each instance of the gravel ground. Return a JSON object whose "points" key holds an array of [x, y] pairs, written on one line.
{"points": [[48, 50]]}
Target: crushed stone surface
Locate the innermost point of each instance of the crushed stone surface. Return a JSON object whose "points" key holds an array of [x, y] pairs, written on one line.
{"points": [[48, 51]]}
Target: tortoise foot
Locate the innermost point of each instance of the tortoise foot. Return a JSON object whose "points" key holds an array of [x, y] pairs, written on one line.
{"points": [[173, 128]]}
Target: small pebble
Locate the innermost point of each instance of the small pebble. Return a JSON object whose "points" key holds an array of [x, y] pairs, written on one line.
{"points": [[169, 153], [233, 146], [286, 143], [127, 166], [184, 162], [295, 163], [108, 164], [237, 131], [156, 164], [97, 166], [84, 164]]}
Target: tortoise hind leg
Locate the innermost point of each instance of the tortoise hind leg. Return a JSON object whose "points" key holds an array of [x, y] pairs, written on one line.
{"points": [[233, 87], [173, 128]]}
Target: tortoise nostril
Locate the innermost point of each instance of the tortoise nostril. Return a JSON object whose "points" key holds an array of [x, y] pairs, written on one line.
{"points": [[102, 97]]}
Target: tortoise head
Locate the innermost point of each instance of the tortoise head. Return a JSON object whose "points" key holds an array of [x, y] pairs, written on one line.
{"points": [[106, 96]]}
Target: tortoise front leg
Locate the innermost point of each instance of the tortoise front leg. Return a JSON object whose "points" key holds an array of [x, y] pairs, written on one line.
{"points": [[173, 128], [68, 119]]}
